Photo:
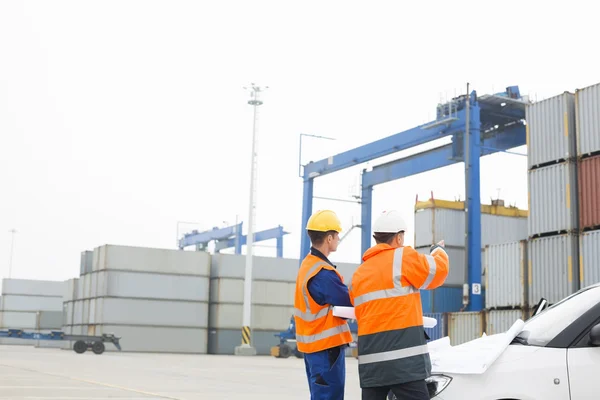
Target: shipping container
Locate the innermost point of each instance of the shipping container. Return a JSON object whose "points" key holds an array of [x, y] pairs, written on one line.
{"points": [[464, 327], [151, 286], [588, 176], [553, 268], [51, 320], [70, 289], [31, 287], [588, 119], [157, 339], [225, 290], [506, 275], [553, 199], [175, 262], [438, 331], [229, 316], [147, 312], [18, 320], [86, 263], [78, 312], [12, 302], [440, 219], [499, 321], [551, 130], [441, 300], [589, 253]]}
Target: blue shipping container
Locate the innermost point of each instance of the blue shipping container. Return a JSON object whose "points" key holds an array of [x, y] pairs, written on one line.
{"points": [[438, 331], [444, 299]]}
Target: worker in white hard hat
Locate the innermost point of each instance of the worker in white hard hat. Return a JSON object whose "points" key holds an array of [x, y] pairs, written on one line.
{"points": [[392, 348], [320, 335]]}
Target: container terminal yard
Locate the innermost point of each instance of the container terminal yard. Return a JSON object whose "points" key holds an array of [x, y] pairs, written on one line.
{"points": [[209, 319], [130, 304]]}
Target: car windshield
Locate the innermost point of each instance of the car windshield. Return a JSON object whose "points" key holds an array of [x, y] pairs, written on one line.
{"points": [[541, 329]]}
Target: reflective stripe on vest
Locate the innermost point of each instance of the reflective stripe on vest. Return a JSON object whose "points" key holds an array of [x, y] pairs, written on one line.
{"points": [[432, 269], [323, 335]]}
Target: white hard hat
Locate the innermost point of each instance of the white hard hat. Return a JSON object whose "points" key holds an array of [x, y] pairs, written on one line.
{"points": [[389, 222]]}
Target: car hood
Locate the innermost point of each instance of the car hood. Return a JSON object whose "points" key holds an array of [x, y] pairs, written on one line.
{"points": [[473, 357]]}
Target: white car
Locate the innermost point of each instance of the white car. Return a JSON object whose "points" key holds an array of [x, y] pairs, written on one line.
{"points": [[555, 356]]}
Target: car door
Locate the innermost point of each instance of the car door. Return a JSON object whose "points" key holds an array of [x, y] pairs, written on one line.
{"points": [[584, 363]]}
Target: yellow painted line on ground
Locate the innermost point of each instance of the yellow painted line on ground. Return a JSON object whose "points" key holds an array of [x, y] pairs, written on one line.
{"points": [[93, 382]]}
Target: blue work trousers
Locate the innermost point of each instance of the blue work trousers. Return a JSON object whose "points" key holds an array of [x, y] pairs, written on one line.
{"points": [[326, 373]]}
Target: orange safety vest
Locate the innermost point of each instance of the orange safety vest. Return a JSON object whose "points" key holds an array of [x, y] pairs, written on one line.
{"points": [[385, 293], [316, 327]]}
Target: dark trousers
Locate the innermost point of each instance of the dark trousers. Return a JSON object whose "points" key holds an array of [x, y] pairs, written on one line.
{"points": [[326, 373], [406, 391]]}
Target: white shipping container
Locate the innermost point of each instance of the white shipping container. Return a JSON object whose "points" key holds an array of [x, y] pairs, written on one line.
{"points": [[157, 339], [151, 312], [229, 316], [86, 263], [70, 289], [589, 258], [126, 258], [264, 268], [80, 285], [87, 282], [551, 129], [33, 287], [156, 286], [553, 268], [464, 327], [18, 320], [499, 321], [31, 303], [506, 275], [225, 290], [588, 119], [553, 199], [435, 224], [69, 313], [86, 312], [78, 312]]}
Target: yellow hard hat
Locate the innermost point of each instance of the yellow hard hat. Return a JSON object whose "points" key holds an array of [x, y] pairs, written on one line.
{"points": [[323, 221]]}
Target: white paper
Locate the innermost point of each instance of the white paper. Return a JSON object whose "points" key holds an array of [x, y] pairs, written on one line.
{"points": [[344, 312], [348, 312], [473, 357]]}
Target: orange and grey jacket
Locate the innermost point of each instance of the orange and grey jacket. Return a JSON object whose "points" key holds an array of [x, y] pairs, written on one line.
{"points": [[385, 292]]}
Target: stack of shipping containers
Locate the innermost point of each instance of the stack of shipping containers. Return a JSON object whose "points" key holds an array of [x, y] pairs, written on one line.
{"points": [[441, 219], [552, 179], [31, 305], [587, 102], [156, 300]]}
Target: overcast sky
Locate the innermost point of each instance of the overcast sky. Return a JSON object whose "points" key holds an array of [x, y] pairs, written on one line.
{"points": [[120, 118]]}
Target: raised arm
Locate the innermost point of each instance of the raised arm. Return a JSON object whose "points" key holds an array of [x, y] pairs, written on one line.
{"points": [[425, 271]]}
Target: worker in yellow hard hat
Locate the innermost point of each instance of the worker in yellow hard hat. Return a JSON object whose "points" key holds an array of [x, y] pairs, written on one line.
{"points": [[320, 335]]}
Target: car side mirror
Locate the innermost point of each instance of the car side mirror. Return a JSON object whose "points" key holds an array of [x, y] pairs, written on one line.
{"points": [[595, 336]]}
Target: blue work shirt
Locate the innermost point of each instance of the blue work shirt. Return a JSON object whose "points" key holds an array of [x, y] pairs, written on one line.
{"points": [[326, 287]]}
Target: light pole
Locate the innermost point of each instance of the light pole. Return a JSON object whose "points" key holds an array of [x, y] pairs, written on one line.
{"points": [[246, 348], [12, 247]]}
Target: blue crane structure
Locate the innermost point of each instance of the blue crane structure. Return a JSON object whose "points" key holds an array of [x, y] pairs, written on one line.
{"points": [[231, 236], [492, 123]]}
